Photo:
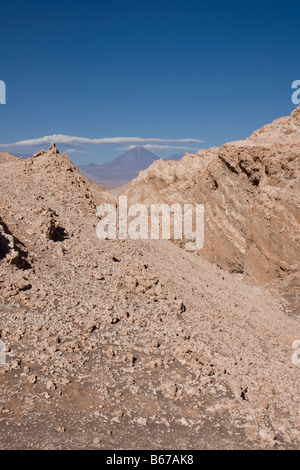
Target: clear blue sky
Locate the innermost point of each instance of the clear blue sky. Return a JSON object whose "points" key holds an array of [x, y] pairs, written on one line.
{"points": [[168, 69]]}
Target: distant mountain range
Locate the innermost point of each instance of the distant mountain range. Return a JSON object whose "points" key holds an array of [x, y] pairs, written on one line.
{"points": [[123, 168]]}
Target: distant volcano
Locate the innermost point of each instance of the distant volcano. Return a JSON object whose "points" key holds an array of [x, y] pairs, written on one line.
{"points": [[122, 169]]}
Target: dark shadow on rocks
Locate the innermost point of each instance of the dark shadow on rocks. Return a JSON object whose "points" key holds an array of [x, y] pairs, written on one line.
{"points": [[10, 245], [60, 234]]}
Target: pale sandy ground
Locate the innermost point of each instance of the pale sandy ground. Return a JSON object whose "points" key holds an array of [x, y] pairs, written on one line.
{"points": [[217, 375]]}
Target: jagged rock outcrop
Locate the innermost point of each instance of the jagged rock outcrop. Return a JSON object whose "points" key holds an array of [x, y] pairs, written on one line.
{"points": [[43, 200], [50, 196], [12, 251], [250, 190], [282, 130]]}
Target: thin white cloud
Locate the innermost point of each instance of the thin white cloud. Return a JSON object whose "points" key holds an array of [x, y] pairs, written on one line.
{"points": [[74, 151], [158, 147], [70, 140]]}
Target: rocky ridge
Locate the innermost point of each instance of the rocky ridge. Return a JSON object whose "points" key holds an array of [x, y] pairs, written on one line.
{"points": [[114, 342], [250, 190]]}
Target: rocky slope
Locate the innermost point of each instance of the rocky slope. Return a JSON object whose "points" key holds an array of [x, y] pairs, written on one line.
{"points": [[133, 344], [250, 190]]}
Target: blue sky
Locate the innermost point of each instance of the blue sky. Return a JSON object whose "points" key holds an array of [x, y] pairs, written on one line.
{"points": [[166, 70]]}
